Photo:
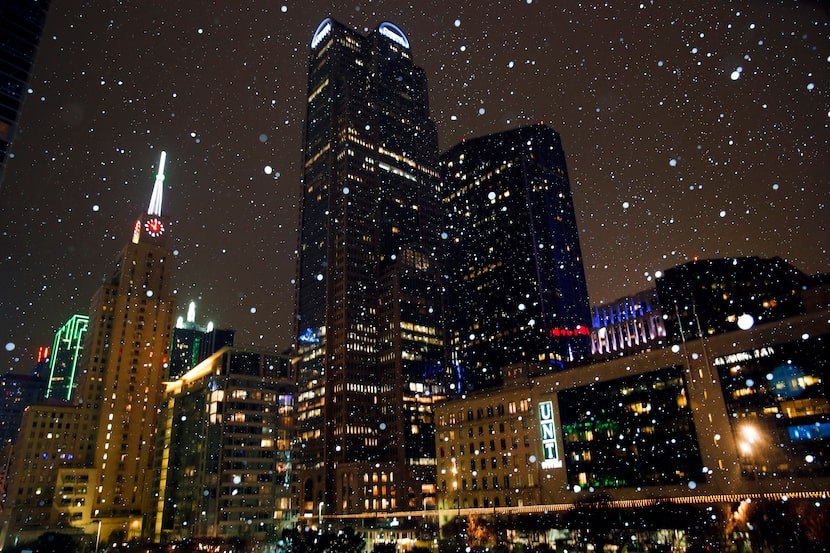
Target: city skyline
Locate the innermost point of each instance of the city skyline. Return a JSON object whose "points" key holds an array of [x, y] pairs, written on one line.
{"points": [[657, 108]]}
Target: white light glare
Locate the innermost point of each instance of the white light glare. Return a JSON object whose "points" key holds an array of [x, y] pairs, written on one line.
{"points": [[745, 321]]}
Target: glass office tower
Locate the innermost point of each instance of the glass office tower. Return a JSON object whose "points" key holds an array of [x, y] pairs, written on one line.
{"points": [[369, 312], [517, 284]]}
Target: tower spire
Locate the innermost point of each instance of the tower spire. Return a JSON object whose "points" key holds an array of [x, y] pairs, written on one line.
{"points": [[151, 223], [158, 188]]}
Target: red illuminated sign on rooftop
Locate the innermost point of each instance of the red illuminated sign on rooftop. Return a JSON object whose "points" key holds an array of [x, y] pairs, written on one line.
{"points": [[565, 332]]}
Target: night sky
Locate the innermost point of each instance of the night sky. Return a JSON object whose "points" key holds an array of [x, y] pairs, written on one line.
{"points": [[692, 129]]}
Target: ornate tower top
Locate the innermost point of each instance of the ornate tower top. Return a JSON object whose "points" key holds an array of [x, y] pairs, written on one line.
{"points": [[151, 225], [158, 189]]}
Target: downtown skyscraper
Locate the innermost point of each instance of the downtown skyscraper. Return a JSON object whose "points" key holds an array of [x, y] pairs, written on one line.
{"points": [[370, 297], [517, 288], [131, 323], [66, 355]]}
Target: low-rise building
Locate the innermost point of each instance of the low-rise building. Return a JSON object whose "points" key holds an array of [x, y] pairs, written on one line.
{"points": [[53, 438], [710, 420]]}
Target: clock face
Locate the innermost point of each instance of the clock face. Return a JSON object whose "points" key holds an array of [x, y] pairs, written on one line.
{"points": [[154, 227]]}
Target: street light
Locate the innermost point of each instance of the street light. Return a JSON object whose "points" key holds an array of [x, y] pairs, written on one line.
{"points": [[750, 446], [750, 435], [98, 535]]}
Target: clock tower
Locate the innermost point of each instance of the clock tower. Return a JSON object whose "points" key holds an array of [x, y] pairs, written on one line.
{"points": [[151, 227], [126, 363], [102, 450]]}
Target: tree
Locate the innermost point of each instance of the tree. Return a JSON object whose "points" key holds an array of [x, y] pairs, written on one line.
{"points": [[347, 541], [306, 540], [794, 525], [50, 542], [482, 531], [454, 535]]}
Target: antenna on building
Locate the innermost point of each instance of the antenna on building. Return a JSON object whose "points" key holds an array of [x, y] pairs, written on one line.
{"points": [[158, 188]]}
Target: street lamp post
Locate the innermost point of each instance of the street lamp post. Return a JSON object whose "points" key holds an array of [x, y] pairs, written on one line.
{"points": [[98, 535]]}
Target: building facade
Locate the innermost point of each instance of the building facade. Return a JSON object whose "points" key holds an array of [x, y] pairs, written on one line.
{"points": [[108, 434], [21, 24], [369, 308], [628, 325], [223, 458], [66, 356], [516, 281], [734, 416]]}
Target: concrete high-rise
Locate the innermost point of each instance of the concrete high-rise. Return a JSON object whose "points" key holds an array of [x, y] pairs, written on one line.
{"points": [[224, 450], [131, 321], [516, 281], [92, 466], [369, 313], [720, 420]]}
